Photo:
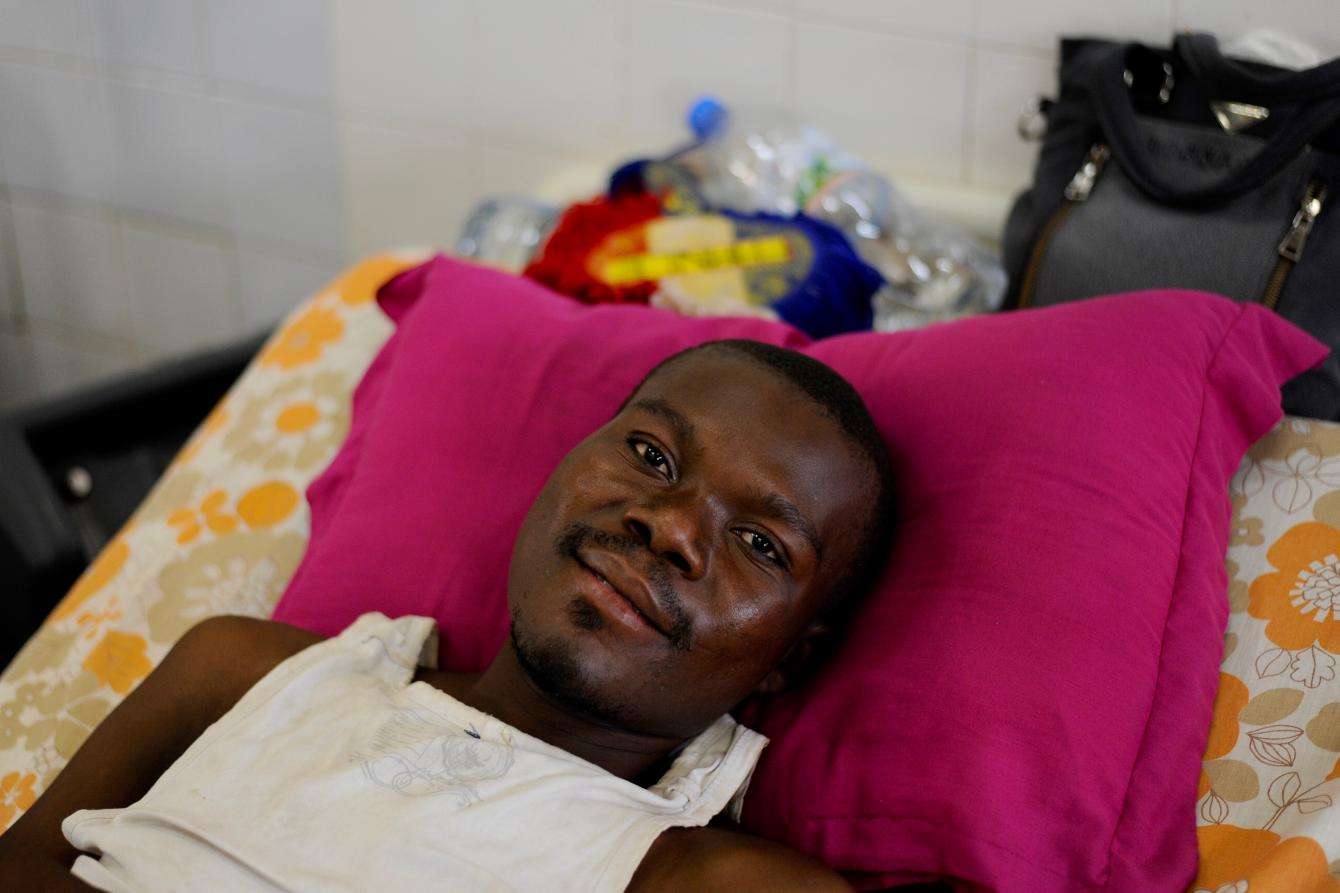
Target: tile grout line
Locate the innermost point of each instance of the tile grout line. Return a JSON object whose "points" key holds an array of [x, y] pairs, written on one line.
{"points": [[866, 26], [228, 242], [968, 139], [162, 80], [791, 64], [203, 50], [129, 297], [18, 309]]}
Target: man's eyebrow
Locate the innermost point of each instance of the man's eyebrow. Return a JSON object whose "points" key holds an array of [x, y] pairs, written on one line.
{"points": [[781, 507], [772, 503], [684, 430]]}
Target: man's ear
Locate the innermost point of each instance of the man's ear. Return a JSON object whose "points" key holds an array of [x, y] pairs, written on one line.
{"points": [[798, 662]]}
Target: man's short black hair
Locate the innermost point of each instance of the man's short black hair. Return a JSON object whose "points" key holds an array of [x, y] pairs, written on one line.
{"points": [[835, 395]]}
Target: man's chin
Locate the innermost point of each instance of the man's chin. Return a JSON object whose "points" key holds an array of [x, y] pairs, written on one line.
{"points": [[554, 666]]}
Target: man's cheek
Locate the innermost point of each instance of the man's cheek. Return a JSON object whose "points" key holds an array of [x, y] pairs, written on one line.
{"points": [[725, 648]]}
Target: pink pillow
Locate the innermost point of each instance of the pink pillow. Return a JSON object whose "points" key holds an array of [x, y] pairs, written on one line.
{"points": [[1023, 702]]}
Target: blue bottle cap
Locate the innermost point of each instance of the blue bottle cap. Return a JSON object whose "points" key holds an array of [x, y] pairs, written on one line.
{"points": [[707, 115]]}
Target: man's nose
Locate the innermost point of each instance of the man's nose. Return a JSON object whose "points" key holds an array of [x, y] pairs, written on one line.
{"points": [[672, 530]]}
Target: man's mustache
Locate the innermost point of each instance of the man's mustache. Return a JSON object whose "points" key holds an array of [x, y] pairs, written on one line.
{"points": [[576, 535]]}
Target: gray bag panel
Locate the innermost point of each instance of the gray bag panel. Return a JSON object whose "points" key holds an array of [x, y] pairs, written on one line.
{"points": [[1118, 240]]}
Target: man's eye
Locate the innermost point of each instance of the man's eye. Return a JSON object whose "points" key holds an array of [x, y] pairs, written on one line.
{"points": [[762, 545], [652, 456]]}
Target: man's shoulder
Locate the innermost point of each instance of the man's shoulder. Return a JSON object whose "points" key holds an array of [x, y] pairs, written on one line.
{"points": [[250, 639], [726, 858], [230, 653]]}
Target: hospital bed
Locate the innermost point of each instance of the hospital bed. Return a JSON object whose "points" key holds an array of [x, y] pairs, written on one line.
{"points": [[225, 527]]}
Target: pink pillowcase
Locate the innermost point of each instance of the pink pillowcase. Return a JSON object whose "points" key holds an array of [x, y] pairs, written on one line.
{"points": [[1023, 702]]}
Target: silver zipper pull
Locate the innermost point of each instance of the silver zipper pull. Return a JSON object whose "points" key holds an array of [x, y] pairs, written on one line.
{"points": [[1291, 246], [1080, 185]]}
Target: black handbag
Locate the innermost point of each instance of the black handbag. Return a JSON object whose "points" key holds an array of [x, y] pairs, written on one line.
{"points": [[1182, 168]]}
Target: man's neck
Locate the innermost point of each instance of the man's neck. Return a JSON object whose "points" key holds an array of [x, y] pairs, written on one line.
{"points": [[505, 692]]}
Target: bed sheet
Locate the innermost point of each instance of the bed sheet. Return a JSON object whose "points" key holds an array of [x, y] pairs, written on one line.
{"points": [[225, 528], [1266, 814]]}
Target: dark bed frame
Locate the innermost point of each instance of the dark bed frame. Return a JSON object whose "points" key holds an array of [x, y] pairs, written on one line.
{"points": [[73, 469]]}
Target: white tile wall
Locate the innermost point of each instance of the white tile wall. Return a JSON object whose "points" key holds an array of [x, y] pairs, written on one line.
{"points": [[679, 50], [280, 46], [169, 154], [279, 170], [182, 291], [1002, 82], [55, 133], [548, 71], [945, 18], [1036, 24], [73, 269], [177, 172], [11, 287], [896, 101], [42, 361], [779, 6], [1315, 21], [404, 58], [531, 171], [55, 26], [150, 33], [273, 283], [404, 187]]}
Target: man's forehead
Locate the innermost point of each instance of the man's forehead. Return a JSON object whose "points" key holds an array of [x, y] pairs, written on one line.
{"points": [[716, 379], [721, 389]]}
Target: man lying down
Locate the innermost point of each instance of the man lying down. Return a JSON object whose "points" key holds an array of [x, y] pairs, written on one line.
{"points": [[690, 554]]}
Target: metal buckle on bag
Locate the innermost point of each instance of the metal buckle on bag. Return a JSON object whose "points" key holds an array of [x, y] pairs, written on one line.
{"points": [[1165, 89], [1236, 116], [1031, 125]]}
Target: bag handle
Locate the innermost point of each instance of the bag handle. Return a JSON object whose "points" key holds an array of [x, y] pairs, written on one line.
{"points": [[1116, 115], [1227, 78]]}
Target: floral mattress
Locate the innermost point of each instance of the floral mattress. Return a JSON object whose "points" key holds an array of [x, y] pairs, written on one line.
{"points": [[224, 530]]}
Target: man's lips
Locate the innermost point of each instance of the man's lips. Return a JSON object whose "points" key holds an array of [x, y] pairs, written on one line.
{"points": [[627, 583]]}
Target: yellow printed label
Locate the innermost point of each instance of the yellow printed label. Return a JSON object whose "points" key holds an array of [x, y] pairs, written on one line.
{"points": [[745, 253]]}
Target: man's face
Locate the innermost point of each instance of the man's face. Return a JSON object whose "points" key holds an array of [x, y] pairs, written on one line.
{"points": [[676, 554]]}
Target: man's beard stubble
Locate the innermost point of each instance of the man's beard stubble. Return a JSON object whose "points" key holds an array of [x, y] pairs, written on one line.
{"points": [[553, 666], [554, 669]]}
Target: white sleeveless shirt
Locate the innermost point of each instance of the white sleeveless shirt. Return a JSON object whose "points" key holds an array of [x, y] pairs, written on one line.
{"points": [[336, 772]]}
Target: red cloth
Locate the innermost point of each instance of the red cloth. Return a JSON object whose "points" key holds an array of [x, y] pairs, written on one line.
{"points": [[562, 263]]}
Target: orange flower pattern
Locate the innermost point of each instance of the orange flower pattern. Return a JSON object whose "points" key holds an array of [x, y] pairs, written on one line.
{"points": [[1246, 860], [119, 661], [16, 795], [210, 514], [1300, 601], [268, 504], [1231, 699], [295, 426], [99, 574], [261, 506], [303, 340], [1271, 776]]}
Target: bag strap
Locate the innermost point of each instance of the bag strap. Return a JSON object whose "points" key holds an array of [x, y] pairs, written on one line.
{"points": [[1116, 115], [1227, 78]]}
